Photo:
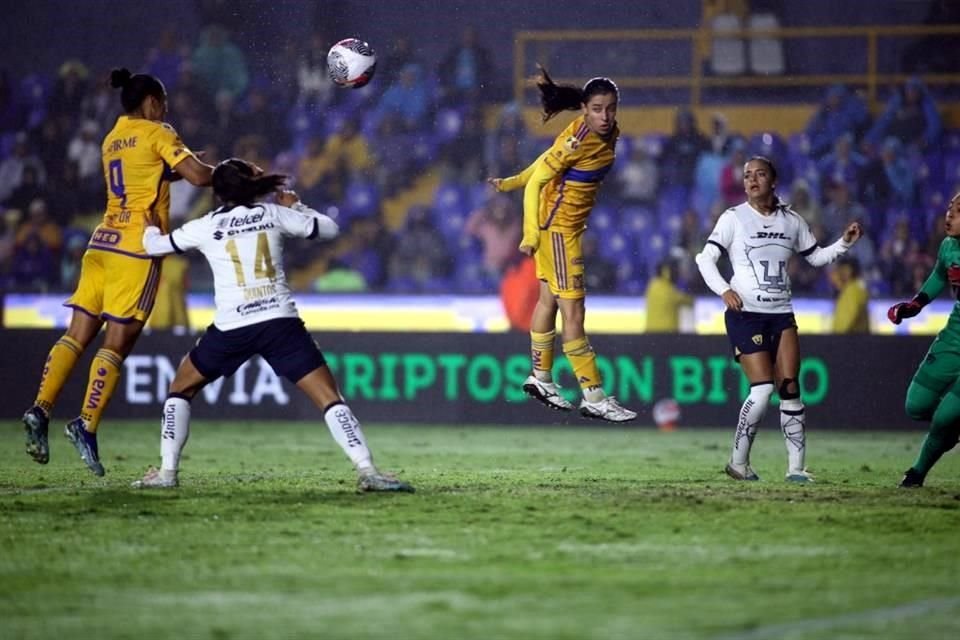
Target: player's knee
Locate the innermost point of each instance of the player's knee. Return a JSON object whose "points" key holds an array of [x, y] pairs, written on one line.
{"points": [[789, 389], [919, 408], [761, 391]]}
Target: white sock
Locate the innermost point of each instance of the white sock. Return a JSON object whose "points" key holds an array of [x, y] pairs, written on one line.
{"points": [[345, 429], [594, 394], [751, 414], [792, 422], [174, 431], [543, 376]]}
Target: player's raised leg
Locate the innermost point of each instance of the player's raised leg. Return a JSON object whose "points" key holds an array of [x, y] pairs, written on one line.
{"points": [[583, 360], [944, 422], [105, 370], [57, 368], [539, 384]]}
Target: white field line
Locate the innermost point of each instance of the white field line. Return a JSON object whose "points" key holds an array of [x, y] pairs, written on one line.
{"points": [[870, 616]]}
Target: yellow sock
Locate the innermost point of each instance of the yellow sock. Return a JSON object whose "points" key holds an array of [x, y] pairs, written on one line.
{"points": [[541, 353], [104, 375], [583, 361], [63, 356]]}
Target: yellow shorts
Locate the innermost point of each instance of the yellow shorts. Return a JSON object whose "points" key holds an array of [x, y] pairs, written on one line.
{"points": [[116, 287], [559, 261]]}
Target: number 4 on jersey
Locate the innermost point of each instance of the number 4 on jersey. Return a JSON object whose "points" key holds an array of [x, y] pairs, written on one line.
{"points": [[262, 262]]}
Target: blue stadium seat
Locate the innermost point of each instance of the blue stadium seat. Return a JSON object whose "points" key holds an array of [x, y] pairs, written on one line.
{"points": [[636, 221], [362, 200], [451, 196], [603, 218], [448, 124]]}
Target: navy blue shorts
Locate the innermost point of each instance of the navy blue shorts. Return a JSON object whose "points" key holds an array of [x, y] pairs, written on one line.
{"points": [[752, 332], [283, 342]]}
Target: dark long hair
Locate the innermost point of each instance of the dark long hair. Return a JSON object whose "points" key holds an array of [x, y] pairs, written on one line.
{"points": [[565, 97], [135, 88], [235, 182]]}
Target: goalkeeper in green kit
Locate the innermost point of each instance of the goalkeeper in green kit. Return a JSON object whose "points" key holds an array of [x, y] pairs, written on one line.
{"points": [[934, 393]]}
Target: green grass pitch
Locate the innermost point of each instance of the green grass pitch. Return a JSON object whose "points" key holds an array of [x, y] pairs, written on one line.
{"points": [[513, 533]]}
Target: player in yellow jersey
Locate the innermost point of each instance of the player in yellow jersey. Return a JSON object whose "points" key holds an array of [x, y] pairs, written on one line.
{"points": [[118, 280], [560, 188]]}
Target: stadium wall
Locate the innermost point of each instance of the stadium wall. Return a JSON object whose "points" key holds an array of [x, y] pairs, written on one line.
{"points": [[848, 383]]}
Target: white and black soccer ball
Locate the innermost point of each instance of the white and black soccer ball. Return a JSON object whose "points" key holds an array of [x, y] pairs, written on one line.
{"points": [[351, 63]]}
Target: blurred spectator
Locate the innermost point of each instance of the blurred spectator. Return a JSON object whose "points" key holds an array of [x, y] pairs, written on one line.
{"points": [[68, 198], [639, 178], [497, 225], [260, 119], [368, 250], [731, 176], [51, 143], [170, 308], [509, 145], [419, 257], [841, 112], [36, 250], [841, 210], [100, 106], [465, 72], [8, 237], [219, 63], [327, 171], [11, 169], [406, 101], [399, 54], [69, 91], [851, 313], [84, 150], [664, 300], [681, 150], [935, 53], [74, 245], [843, 164], [165, 61], [899, 254], [464, 156], [600, 275], [803, 202], [315, 88], [27, 191], [910, 116], [340, 278], [12, 116], [720, 138], [888, 180], [519, 292], [38, 224]]}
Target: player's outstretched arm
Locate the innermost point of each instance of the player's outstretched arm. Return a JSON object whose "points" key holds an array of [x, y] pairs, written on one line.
{"points": [[297, 219], [541, 175], [196, 172], [932, 287], [189, 236], [819, 256], [515, 182]]}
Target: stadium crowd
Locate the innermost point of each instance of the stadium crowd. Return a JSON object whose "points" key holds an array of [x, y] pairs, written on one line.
{"points": [[352, 152]]}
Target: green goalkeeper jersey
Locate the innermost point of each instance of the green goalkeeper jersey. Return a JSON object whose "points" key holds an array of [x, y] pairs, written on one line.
{"points": [[948, 256]]}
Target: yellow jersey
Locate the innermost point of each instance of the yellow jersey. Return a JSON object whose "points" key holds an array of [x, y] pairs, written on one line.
{"points": [[138, 158], [581, 159]]}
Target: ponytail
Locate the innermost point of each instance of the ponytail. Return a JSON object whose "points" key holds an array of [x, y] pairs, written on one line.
{"points": [[135, 88], [236, 183], [556, 98]]}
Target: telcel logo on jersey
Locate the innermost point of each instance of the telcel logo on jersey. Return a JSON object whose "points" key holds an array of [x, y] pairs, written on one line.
{"points": [[242, 221], [96, 388]]}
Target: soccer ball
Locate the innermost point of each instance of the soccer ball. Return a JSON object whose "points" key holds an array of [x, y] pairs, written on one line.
{"points": [[351, 63]]}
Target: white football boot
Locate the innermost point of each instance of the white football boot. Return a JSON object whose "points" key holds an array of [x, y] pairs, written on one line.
{"points": [[546, 392], [157, 479], [607, 409]]}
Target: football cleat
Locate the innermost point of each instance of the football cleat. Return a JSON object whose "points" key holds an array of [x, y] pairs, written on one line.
{"points": [[607, 409], [157, 479], [85, 443], [741, 472], [376, 481], [912, 479], [800, 476], [547, 393], [35, 423]]}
